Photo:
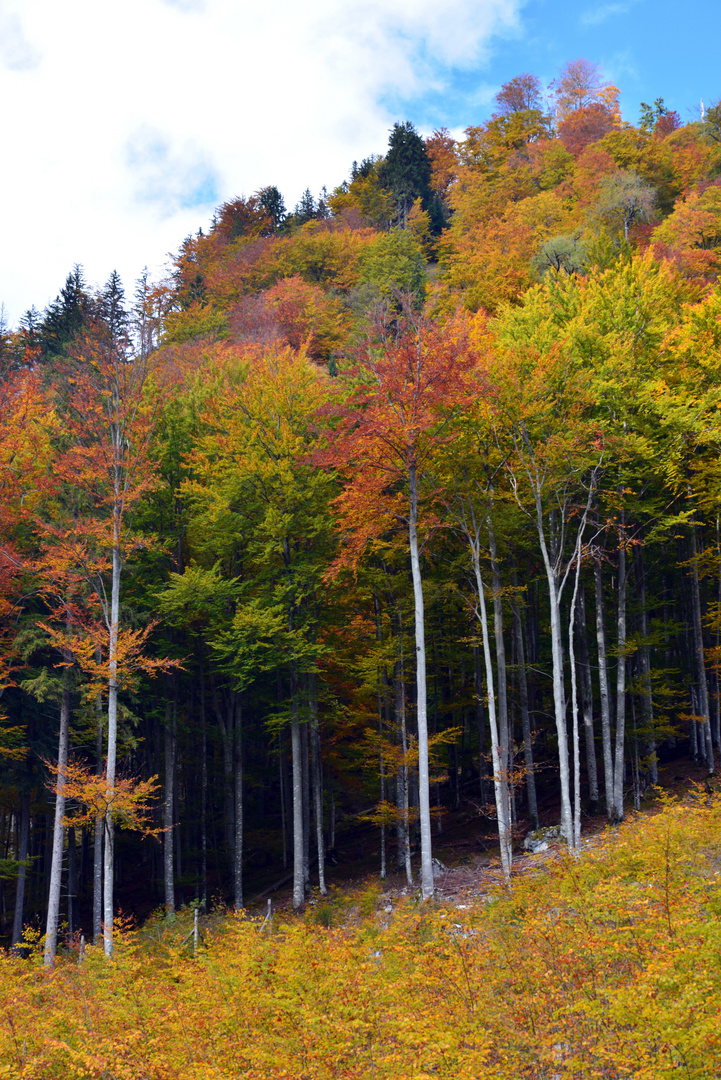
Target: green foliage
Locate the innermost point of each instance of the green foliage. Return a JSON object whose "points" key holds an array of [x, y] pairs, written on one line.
{"points": [[394, 263]]}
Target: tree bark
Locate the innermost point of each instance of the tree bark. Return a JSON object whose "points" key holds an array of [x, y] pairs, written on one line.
{"points": [[109, 847], [603, 688], [525, 714], [427, 887], [23, 842], [504, 733], [317, 778], [574, 703], [705, 712], [644, 668], [402, 782], [586, 687], [99, 828], [168, 807], [297, 765], [500, 779], [619, 763], [56, 866]]}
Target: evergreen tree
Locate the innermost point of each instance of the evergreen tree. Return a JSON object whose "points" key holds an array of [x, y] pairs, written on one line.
{"points": [[272, 204], [66, 316], [306, 209], [111, 310], [406, 170]]}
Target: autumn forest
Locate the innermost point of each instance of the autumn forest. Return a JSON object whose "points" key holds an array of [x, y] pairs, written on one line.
{"points": [[391, 517]]}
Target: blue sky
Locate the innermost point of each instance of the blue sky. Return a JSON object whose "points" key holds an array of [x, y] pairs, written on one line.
{"points": [[124, 125], [647, 49]]}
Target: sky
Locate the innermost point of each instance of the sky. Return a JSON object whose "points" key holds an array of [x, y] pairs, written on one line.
{"points": [[125, 125]]}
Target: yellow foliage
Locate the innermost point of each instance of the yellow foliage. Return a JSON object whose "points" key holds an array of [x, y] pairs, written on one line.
{"points": [[601, 967]]}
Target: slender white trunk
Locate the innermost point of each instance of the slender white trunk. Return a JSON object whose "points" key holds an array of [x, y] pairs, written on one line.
{"points": [[504, 733], [99, 825], [297, 764], [316, 765], [584, 673], [500, 779], [56, 865], [421, 695], [108, 861], [603, 688], [402, 781], [574, 706], [559, 698], [22, 854]]}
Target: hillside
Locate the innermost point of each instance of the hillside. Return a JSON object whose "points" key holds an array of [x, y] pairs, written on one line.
{"points": [[603, 965], [372, 520]]}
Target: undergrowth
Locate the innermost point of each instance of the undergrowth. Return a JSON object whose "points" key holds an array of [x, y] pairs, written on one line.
{"points": [[607, 966]]}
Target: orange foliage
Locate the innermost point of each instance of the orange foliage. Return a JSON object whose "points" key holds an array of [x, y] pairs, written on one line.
{"points": [[691, 235], [308, 316], [441, 147], [129, 800], [603, 966], [585, 126]]}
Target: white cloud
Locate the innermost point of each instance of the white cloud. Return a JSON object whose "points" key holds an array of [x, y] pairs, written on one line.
{"points": [[127, 123], [596, 16], [16, 52]]}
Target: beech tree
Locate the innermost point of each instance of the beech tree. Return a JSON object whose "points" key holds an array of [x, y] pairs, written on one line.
{"points": [[109, 416], [408, 377]]}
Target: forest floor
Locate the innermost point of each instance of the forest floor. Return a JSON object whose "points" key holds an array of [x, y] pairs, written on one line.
{"points": [[466, 849], [601, 967]]}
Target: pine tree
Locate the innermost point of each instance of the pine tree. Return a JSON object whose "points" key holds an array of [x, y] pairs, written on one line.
{"points": [[406, 170]]}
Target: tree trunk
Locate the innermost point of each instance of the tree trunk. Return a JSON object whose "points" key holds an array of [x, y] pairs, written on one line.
{"points": [[559, 697], [72, 880], [603, 688], [99, 828], [109, 848], [56, 866], [402, 782], [478, 687], [306, 804], [23, 841], [504, 733], [168, 806], [586, 687], [317, 778], [296, 751], [574, 703], [500, 779], [525, 714], [705, 712], [238, 807], [203, 795], [618, 770], [644, 668], [421, 696]]}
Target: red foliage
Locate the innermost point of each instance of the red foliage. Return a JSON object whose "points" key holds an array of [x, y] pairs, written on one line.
{"points": [[410, 379], [521, 93], [667, 124], [585, 126]]}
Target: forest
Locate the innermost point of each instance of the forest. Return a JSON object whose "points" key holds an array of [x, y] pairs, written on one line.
{"points": [[401, 506]]}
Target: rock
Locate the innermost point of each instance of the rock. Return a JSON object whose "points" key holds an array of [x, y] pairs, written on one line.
{"points": [[541, 839], [439, 869]]}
